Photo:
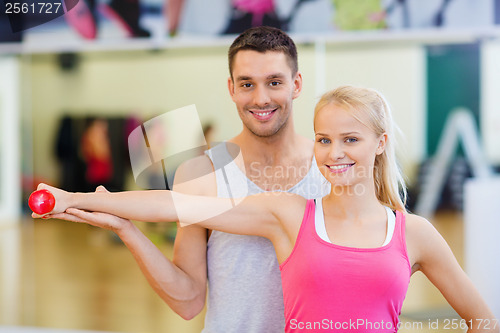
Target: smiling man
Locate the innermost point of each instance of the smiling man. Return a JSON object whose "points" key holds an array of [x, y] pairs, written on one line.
{"points": [[242, 272], [245, 293]]}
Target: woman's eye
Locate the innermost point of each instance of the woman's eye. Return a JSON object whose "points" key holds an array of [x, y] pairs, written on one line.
{"points": [[324, 140], [351, 140]]}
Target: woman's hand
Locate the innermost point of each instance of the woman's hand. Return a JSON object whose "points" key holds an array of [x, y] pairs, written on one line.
{"points": [[62, 200], [97, 219]]}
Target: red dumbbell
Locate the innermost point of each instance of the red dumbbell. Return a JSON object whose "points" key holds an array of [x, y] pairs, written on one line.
{"points": [[41, 202]]}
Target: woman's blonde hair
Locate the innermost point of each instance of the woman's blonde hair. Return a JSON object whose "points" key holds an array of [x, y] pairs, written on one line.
{"points": [[389, 182]]}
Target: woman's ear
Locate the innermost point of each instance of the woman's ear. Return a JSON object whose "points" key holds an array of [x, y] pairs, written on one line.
{"points": [[381, 144]]}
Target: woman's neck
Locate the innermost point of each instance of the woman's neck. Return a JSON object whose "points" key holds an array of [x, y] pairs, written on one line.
{"points": [[352, 202]]}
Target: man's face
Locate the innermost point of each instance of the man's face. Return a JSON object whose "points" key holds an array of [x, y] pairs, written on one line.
{"points": [[263, 90]]}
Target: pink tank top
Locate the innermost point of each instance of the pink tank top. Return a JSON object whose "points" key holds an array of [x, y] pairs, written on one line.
{"points": [[331, 287]]}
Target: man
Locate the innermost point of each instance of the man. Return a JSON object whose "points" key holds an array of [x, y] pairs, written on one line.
{"points": [[243, 276]]}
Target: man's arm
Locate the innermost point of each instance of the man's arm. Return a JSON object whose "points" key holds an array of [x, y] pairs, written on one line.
{"points": [[181, 283], [190, 247]]}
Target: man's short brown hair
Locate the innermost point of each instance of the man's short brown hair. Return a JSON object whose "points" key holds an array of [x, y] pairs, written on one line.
{"points": [[263, 39]]}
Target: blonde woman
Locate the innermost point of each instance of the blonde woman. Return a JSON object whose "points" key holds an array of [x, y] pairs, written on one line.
{"points": [[346, 259]]}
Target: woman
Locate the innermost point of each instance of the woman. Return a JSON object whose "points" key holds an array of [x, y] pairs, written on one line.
{"points": [[345, 259]]}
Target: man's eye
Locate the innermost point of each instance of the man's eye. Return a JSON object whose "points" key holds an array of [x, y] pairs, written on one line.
{"points": [[246, 85], [275, 83]]}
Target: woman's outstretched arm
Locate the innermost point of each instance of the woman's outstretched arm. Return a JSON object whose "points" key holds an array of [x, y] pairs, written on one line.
{"points": [[254, 215]]}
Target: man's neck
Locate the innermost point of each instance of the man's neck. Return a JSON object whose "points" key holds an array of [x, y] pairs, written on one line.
{"points": [[271, 150], [274, 163]]}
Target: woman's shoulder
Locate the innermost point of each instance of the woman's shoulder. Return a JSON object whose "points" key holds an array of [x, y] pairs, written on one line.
{"points": [[289, 207], [422, 237], [418, 226], [417, 222], [286, 201]]}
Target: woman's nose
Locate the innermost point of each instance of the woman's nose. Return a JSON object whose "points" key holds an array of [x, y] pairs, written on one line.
{"points": [[336, 151]]}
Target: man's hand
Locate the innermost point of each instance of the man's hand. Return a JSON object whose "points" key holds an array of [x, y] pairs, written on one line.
{"points": [[101, 220]]}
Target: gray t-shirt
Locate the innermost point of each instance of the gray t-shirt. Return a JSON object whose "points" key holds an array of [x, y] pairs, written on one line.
{"points": [[244, 282]]}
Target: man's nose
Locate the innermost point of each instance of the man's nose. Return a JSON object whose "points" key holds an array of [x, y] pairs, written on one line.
{"points": [[261, 96]]}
